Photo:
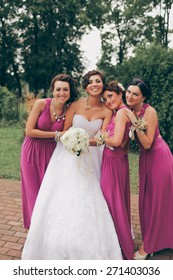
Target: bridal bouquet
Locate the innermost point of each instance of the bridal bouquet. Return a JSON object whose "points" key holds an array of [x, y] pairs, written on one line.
{"points": [[75, 140]]}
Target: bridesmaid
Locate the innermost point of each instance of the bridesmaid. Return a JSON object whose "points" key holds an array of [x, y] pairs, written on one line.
{"points": [[115, 168], [46, 117], [155, 173]]}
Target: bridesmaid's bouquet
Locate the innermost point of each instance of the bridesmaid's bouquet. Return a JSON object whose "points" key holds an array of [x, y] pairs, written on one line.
{"points": [[75, 140], [139, 125]]}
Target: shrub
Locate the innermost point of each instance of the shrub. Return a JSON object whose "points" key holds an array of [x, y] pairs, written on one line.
{"points": [[8, 105]]}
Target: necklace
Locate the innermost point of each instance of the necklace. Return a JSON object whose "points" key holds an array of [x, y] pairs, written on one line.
{"points": [[90, 106], [58, 118]]}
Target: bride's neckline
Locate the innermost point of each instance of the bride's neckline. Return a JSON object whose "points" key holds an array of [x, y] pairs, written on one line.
{"points": [[87, 119]]}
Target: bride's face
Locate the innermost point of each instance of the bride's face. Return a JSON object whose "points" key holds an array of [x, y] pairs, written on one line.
{"points": [[95, 86]]}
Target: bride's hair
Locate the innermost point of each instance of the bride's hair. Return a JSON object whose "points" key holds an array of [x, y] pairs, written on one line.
{"points": [[87, 76]]}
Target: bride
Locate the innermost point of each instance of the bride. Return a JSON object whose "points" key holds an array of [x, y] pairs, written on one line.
{"points": [[71, 219]]}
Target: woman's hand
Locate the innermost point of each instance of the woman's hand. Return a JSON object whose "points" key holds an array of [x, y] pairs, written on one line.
{"points": [[130, 115]]}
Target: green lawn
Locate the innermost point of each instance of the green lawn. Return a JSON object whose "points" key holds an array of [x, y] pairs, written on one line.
{"points": [[133, 163], [10, 146]]}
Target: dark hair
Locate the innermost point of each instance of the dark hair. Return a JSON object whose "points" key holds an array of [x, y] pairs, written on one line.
{"points": [[116, 87], [87, 76], [143, 86], [74, 94]]}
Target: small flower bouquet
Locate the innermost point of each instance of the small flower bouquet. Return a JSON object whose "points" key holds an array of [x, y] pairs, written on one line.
{"points": [[100, 137], [139, 125], [75, 140]]}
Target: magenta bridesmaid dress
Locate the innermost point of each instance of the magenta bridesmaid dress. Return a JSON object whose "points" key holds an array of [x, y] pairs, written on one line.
{"points": [[115, 185], [156, 194], [35, 156]]}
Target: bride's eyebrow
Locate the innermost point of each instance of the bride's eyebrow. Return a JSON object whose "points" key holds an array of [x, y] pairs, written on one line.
{"points": [[97, 80]]}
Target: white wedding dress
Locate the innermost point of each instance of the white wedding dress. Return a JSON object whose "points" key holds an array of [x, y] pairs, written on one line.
{"points": [[71, 220]]}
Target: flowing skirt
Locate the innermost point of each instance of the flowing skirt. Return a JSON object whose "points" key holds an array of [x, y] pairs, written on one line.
{"points": [[156, 197], [35, 156], [115, 184], [71, 219]]}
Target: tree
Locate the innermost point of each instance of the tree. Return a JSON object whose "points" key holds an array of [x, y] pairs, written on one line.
{"points": [[49, 35], [162, 21], [9, 47], [41, 38], [131, 24]]}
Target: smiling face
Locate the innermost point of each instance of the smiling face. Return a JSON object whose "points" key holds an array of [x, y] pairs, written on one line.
{"points": [[61, 91], [112, 99], [95, 85], [134, 96]]}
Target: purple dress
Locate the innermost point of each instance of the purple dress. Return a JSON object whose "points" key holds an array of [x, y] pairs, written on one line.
{"points": [[115, 184], [35, 156], [156, 194]]}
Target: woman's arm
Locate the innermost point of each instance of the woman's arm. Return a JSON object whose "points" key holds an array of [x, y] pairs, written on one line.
{"points": [[107, 118], [146, 138], [31, 130], [120, 126], [69, 115]]}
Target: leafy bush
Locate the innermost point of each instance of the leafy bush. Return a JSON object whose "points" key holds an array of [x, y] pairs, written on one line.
{"points": [[8, 106]]}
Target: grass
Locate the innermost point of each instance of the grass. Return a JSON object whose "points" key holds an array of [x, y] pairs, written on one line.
{"points": [[10, 147], [133, 163]]}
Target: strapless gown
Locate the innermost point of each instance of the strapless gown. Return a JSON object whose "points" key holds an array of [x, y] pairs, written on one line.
{"points": [[71, 220]]}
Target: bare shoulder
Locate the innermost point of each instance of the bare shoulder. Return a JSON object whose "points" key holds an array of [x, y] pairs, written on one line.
{"points": [[150, 111], [121, 114], [150, 116], [105, 108], [75, 104], [39, 103], [80, 103], [72, 108]]}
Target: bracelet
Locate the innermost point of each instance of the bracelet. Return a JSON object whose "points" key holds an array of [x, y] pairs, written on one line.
{"points": [[100, 141], [140, 131], [57, 136], [140, 125]]}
